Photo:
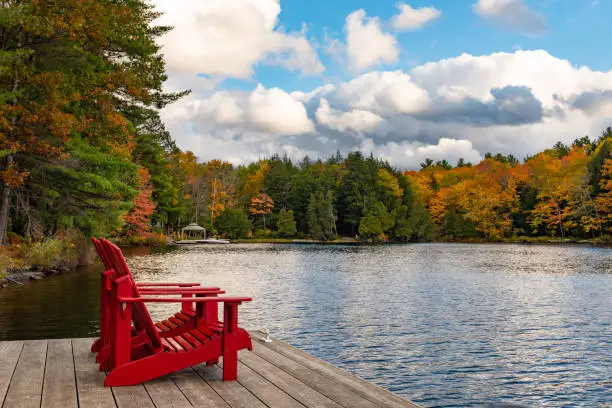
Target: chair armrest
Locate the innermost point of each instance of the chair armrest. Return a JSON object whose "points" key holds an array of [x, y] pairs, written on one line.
{"points": [[157, 284], [226, 299], [181, 291]]}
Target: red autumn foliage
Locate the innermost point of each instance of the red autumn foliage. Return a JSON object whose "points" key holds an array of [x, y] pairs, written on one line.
{"points": [[138, 220]]}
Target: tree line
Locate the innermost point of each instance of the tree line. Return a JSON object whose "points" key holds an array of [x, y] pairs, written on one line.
{"points": [[82, 148], [564, 191]]}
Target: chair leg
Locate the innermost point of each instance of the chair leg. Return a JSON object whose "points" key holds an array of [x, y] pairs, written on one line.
{"points": [[230, 366], [230, 346]]}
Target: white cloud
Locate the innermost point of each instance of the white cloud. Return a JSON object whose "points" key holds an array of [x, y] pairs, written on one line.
{"points": [[411, 18], [517, 103], [514, 15], [390, 92], [275, 111], [411, 154], [227, 38], [356, 119], [269, 111], [367, 45]]}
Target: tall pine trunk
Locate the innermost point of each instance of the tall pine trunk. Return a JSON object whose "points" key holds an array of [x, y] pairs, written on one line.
{"points": [[4, 205]]}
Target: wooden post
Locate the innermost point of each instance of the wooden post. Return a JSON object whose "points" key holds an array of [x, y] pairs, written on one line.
{"points": [[230, 349], [122, 322]]}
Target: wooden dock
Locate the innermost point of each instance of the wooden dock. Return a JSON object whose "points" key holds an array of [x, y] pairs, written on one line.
{"points": [[62, 373]]}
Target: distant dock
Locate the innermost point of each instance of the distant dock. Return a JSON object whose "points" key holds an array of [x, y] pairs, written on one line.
{"points": [[202, 241], [62, 373]]}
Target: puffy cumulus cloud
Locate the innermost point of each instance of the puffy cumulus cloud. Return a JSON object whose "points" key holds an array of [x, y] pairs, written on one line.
{"points": [[354, 120], [517, 103], [227, 38], [389, 93], [275, 111], [411, 154], [514, 15], [270, 111], [549, 78], [367, 45], [410, 18]]}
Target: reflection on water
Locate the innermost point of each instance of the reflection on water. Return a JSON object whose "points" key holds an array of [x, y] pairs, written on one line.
{"points": [[444, 325]]}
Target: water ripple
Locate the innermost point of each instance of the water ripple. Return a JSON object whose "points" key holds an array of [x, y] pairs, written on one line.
{"points": [[444, 325]]}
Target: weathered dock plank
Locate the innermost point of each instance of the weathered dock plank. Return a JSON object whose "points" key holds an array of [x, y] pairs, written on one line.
{"points": [[330, 388], [263, 389], [135, 396], [232, 392], [197, 391], [26, 385], [290, 385], [89, 380], [63, 372], [9, 355], [366, 389], [164, 393], [59, 386]]}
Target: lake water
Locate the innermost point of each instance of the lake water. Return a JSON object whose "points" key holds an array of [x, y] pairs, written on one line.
{"points": [[445, 325]]}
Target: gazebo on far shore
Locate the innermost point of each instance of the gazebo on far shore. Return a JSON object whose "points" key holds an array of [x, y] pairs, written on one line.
{"points": [[193, 231]]}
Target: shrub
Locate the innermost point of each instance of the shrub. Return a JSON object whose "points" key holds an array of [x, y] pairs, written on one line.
{"points": [[57, 252]]}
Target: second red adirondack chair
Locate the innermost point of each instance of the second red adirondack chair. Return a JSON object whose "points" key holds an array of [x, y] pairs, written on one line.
{"points": [[132, 364], [180, 322]]}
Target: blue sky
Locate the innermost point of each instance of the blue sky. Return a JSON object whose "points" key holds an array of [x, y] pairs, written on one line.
{"points": [[403, 80], [577, 30]]}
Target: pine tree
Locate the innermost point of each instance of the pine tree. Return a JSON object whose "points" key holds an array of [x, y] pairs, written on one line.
{"points": [[321, 217], [286, 223]]}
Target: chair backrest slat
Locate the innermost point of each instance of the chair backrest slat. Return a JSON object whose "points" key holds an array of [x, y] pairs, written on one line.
{"points": [[112, 257], [102, 253]]}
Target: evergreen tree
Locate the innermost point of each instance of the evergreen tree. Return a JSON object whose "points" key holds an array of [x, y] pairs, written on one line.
{"points": [[321, 217], [286, 223], [352, 193], [72, 69], [370, 228], [233, 223]]}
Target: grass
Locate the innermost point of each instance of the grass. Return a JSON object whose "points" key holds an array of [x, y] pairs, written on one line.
{"points": [[153, 239], [8, 261]]}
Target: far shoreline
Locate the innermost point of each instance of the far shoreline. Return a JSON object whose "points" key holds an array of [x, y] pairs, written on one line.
{"points": [[352, 241]]}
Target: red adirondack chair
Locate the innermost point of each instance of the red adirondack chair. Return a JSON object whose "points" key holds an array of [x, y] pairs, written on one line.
{"points": [[132, 364], [177, 324]]}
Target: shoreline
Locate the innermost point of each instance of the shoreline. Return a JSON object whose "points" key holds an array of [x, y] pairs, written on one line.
{"points": [[525, 240]]}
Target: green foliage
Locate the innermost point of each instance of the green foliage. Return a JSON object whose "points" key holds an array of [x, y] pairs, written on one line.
{"points": [[286, 223], [413, 223], [321, 217], [457, 225], [156, 151], [370, 228], [89, 190], [601, 154], [352, 193], [233, 223], [277, 183]]}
